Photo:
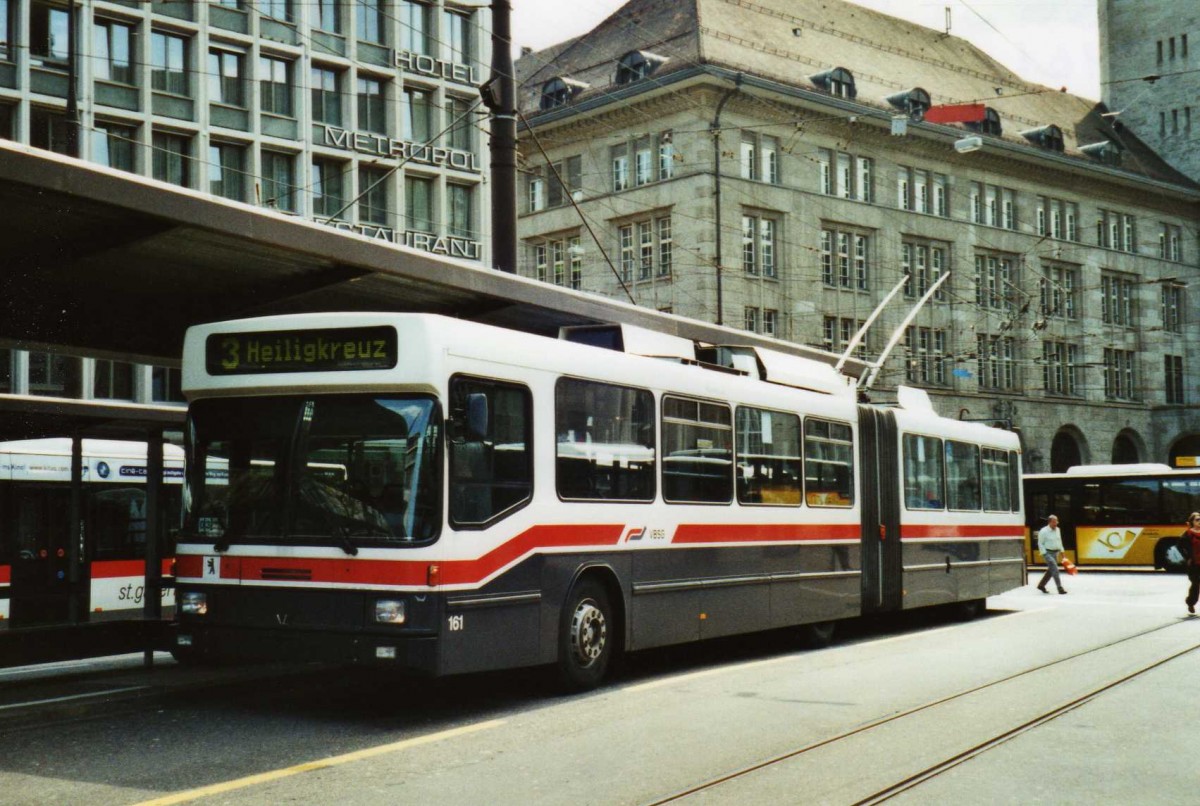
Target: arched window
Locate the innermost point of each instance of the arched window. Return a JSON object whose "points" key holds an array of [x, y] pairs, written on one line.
{"points": [[1048, 137], [637, 64], [989, 125], [1125, 450], [559, 91], [914, 102], [1064, 452], [838, 82]]}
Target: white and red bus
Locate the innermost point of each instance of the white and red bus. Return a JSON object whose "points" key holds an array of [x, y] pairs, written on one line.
{"points": [[506, 499], [35, 511]]}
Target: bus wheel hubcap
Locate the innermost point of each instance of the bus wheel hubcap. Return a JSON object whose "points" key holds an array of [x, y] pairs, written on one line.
{"points": [[588, 632]]}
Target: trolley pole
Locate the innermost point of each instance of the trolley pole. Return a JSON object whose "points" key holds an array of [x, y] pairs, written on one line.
{"points": [[500, 97]]}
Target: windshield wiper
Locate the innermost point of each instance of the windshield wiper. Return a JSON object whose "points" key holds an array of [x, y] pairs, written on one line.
{"points": [[344, 540]]}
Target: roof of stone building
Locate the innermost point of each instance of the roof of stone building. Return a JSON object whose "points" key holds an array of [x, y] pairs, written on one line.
{"points": [[789, 41]]}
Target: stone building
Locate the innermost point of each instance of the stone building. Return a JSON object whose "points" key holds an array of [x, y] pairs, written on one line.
{"points": [[774, 165], [1150, 74], [360, 115]]}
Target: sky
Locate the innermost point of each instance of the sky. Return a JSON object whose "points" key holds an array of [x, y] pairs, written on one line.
{"points": [[1051, 43]]}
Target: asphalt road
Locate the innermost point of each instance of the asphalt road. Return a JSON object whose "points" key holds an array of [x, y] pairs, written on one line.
{"points": [[1084, 698]]}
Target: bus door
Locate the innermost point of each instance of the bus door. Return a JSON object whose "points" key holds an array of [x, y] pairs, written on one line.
{"points": [[882, 561], [1044, 501], [40, 519]]}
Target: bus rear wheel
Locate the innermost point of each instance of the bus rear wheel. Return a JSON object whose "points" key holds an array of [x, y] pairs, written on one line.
{"points": [[585, 637]]}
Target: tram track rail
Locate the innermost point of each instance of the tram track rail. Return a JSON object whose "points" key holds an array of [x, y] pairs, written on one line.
{"points": [[934, 770]]}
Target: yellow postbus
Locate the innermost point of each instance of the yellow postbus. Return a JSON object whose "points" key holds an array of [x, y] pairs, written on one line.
{"points": [[1114, 515]]}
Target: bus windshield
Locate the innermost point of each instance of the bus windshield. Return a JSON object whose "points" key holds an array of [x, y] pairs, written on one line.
{"points": [[343, 470]]}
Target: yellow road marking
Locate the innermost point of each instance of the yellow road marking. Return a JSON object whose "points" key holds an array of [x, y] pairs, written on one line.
{"points": [[332, 761]]}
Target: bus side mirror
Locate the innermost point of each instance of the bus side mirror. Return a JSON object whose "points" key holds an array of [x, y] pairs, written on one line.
{"points": [[477, 416]]}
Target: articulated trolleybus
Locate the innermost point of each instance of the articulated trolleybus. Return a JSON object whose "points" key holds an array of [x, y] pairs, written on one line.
{"points": [[505, 499]]}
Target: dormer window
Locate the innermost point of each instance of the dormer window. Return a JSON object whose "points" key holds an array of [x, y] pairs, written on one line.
{"points": [[838, 82], [1106, 151], [915, 102], [989, 125], [1048, 137], [559, 91], [638, 64]]}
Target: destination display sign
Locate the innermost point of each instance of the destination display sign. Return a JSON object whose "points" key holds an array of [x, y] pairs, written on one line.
{"points": [[326, 350]]}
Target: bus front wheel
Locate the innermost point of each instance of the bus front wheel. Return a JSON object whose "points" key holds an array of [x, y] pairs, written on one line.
{"points": [[585, 637]]}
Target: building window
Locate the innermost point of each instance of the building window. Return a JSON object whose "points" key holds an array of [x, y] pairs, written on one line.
{"points": [[759, 158], [372, 111], [1118, 300], [461, 136], [620, 168], [275, 85], [49, 34], [111, 48], [373, 196], [666, 155], [54, 375], [168, 63], [1060, 367], [845, 175], [112, 145], [1172, 308], [838, 332], [636, 65], [759, 234], [329, 16], [1116, 231], [6, 45], [993, 206], [997, 364], [326, 187], [536, 192], [996, 282], [1059, 287], [459, 36], [165, 385], [1170, 243], [416, 23], [1119, 374], [112, 380], [750, 320], [923, 263], [6, 121], [648, 245], [326, 96], [565, 256], [278, 9], [844, 259], [1058, 219], [418, 204], [1173, 375], [227, 171], [369, 21], [225, 78], [462, 211], [926, 359], [554, 185], [417, 114], [172, 158], [279, 180], [49, 130]]}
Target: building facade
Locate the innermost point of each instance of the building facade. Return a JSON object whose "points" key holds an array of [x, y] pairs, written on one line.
{"points": [[364, 116], [775, 166], [1150, 74]]}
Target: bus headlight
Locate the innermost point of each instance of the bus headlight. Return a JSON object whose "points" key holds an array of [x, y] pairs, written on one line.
{"points": [[193, 603], [389, 611]]}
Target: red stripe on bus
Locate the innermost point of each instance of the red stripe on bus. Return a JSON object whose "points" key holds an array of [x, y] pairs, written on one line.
{"points": [[407, 572], [919, 531], [109, 569], [764, 532]]}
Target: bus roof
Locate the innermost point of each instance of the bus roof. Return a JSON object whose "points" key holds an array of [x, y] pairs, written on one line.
{"points": [[1142, 469]]}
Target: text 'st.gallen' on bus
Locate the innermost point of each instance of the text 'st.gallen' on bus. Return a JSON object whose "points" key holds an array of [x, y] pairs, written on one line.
{"points": [[444, 497], [1115, 515]]}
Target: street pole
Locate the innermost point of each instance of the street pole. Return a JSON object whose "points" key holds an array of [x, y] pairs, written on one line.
{"points": [[500, 96]]}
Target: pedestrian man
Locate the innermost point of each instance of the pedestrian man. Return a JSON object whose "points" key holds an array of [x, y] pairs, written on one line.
{"points": [[1190, 543], [1051, 546]]}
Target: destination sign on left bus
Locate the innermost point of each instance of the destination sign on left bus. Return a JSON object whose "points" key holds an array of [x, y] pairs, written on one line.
{"points": [[325, 350]]}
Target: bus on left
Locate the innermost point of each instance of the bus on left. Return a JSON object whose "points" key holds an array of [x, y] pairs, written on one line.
{"points": [[35, 512]]}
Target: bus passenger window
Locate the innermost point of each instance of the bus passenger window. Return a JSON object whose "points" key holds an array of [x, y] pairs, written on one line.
{"points": [[1181, 497], [996, 495], [769, 467], [697, 452], [492, 475], [1129, 502], [828, 464], [924, 480], [604, 447], [962, 476]]}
